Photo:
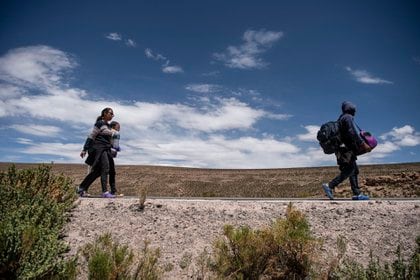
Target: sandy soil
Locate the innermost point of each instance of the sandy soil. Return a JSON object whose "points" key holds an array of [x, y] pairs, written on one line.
{"points": [[183, 228]]}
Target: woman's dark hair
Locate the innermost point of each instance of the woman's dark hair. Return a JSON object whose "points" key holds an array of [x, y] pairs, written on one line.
{"points": [[104, 111]]}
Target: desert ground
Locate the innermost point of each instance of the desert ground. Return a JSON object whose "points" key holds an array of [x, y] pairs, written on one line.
{"points": [[187, 223], [391, 180]]}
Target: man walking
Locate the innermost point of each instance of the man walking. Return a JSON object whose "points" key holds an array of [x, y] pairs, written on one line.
{"points": [[346, 154]]}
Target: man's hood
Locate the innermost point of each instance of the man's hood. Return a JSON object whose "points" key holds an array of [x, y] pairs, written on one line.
{"points": [[348, 108]]}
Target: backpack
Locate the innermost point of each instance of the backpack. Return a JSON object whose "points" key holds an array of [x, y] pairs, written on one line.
{"points": [[329, 137]]}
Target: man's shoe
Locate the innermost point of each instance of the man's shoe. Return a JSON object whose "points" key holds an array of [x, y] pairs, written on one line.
{"points": [[328, 191], [108, 195], [360, 197]]}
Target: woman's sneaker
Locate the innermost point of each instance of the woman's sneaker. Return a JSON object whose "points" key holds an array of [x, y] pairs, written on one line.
{"points": [[108, 195], [360, 197], [84, 194], [328, 191]]}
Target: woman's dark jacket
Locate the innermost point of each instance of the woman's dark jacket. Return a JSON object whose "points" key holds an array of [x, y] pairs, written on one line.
{"points": [[98, 142]]}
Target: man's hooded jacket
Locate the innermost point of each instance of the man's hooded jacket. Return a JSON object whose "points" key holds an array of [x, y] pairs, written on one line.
{"points": [[350, 134]]}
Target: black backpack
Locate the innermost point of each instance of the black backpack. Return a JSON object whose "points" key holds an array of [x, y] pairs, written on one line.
{"points": [[329, 137]]}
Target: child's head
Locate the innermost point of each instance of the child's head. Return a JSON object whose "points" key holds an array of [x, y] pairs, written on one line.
{"points": [[115, 125]]}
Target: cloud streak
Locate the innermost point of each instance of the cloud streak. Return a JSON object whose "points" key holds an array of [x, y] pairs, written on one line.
{"points": [[364, 77], [114, 36], [166, 68], [203, 88], [248, 55]]}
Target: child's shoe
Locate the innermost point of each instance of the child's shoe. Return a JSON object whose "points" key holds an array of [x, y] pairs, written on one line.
{"points": [[108, 195]]}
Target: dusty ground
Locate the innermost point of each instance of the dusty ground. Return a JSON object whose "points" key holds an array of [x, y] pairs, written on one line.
{"points": [[389, 180], [183, 228]]}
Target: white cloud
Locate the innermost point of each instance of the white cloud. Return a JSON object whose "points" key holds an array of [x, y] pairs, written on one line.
{"points": [[311, 134], [149, 54], [365, 77], [203, 88], [131, 43], [172, 69], [405, 136], [37, 130], [39, 66], [166, 68], [247, 55], [114, 36]]}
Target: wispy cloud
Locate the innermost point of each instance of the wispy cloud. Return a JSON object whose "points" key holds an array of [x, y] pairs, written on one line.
{"points": [[172, 69], [130, 43], [114, 36], [211, 74], [203, 88], [37, 130], [155, 56], [247, 55], [364, 77], [166, 67]]}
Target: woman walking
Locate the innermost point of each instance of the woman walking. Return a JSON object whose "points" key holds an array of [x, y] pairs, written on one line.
{"points": [[98, 146]]}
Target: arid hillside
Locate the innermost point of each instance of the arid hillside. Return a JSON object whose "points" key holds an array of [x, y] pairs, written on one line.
{"points": [[391, 180]]}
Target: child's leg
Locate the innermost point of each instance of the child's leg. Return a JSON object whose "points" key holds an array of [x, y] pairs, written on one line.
{"points": [[112, 174]]}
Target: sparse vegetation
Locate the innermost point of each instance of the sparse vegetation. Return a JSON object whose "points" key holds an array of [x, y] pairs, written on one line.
{"points": [[345, 268]]}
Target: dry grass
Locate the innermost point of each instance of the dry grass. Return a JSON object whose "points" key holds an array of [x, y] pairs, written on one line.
{"points": [[275, 183]]}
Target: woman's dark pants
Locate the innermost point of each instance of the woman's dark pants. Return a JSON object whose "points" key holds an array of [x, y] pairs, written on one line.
{"points": [[101, 169]]}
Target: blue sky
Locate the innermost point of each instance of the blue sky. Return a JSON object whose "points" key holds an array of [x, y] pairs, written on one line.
{"points": [[219, 84]]}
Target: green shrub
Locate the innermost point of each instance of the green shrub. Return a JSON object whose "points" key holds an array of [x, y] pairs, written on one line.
{"points": [[32, 216], [282, 251], [109, 260]]}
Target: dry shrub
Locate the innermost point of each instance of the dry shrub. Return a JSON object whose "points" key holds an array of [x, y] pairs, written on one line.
{"points": [[142, 197], [33, 209], [108, 260], [283, 251]]}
